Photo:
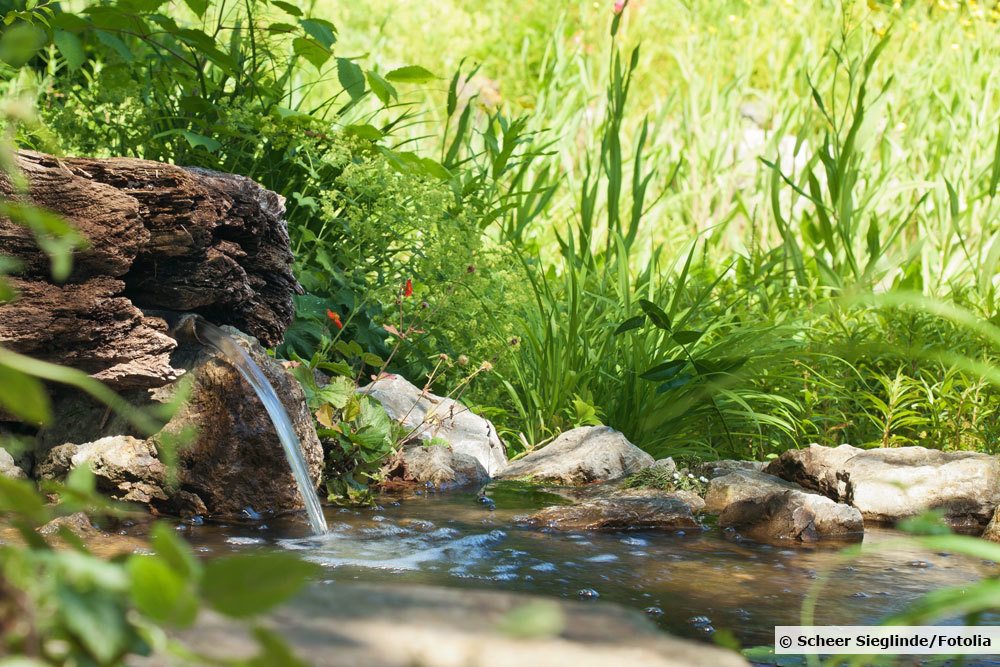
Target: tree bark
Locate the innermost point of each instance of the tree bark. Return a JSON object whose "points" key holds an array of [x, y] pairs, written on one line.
{"points": [[158, 237]]}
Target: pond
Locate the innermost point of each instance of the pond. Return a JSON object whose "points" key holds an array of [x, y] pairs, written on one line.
{"points": [[692, 584]]}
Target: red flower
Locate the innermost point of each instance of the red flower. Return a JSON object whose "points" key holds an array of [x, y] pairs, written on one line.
{"points": [[408, 290], [619, 6], [335, 318]]}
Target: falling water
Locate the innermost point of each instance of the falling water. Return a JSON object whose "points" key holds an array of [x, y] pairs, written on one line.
{"points": [[211, 335]]}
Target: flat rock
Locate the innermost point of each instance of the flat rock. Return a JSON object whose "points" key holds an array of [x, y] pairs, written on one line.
{"points": [[890, 484], [429, 417], [767, 508], [581, 456], [378, 625], [632, 509]]}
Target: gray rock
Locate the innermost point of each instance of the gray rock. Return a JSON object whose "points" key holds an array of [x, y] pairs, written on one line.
{"points": [[632, 509], [427, 416], [581, 456], [348, 624], [767, 508], [438, 464], [8, 468], [743, 485], [887, 485], [666, 466], [125, 468]]}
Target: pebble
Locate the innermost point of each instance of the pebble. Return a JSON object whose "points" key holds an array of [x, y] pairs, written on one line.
{"points": [[588, 594]]}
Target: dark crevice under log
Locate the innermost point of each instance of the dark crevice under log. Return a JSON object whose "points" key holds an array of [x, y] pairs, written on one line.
{"points": [[159, 237]]}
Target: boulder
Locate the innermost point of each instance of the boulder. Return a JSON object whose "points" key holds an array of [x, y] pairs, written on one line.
{"points": [[437, 464], [8, 468], [767, 508], [235, 459], [581, 456], [429, 417], [125, 468], [633, 509], [743, 485], [887, 485]]}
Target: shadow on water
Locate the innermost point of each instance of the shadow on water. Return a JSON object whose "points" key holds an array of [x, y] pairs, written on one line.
{"points": [[691, 584]]}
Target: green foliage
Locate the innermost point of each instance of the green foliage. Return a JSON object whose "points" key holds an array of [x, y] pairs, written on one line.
{"points": [[66, 606]]}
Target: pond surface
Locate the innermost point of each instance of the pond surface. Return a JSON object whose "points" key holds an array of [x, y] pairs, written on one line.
{"points": [[691, 583]]}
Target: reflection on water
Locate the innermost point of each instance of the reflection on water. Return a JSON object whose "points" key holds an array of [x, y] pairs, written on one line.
{"points": [[692, 584]]}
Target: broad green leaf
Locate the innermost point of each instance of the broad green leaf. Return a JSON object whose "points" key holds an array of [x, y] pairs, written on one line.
{"points": [[288, 7], [351, 77], [245, 585], [311, 50], [194, 139], [675, 383], [322, 31], [115, 43], [160, 592], [365, 131], [24, 396], [382, 88], [665, 370], [18, 498], [655, 314], [372, 359], [71, 48], [199, 7], [630, 323], [20, 43], [274, 651], [174, 551], [95, 619], [410, 74], [336, 392], [687, 336]]}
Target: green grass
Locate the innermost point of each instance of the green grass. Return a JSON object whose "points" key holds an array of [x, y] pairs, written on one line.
{"points": [[864, 167]]}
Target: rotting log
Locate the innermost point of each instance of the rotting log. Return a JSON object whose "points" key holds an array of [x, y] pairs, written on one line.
{"points": [[158, 237]]}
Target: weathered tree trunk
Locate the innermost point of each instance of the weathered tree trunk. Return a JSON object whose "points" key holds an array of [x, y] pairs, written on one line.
{"points": [[159, 237]]}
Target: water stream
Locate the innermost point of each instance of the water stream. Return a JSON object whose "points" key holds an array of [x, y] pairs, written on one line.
{"points": [[211, 335], [691, 584]]}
